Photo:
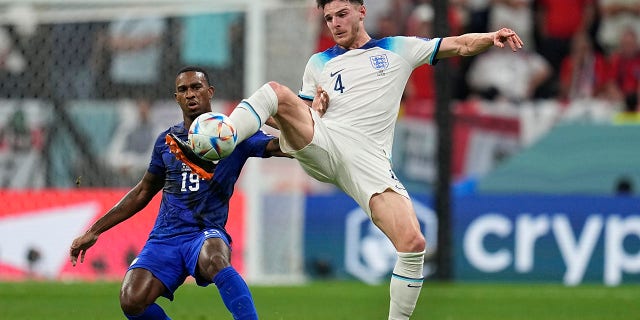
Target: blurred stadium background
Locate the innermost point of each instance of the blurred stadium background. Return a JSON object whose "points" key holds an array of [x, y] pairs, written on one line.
{"points": [[542, 188]]}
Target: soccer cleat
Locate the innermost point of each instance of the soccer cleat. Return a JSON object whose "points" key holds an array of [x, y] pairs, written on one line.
{"points": [[181, 150]]}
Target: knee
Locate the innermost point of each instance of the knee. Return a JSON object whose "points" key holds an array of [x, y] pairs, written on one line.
{"points": [[414, 242], [210, 266], [286, 97], [277, 87], [132, 303]]}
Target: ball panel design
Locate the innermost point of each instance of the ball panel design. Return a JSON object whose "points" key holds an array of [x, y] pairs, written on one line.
{"points": [[212, 136]]}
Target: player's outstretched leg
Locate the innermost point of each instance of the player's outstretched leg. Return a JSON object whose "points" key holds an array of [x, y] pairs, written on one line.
{"points": [[250, 114], [406, 283], [203, 168]]}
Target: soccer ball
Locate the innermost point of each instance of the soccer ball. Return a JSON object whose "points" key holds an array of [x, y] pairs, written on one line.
{"points": [[212, 136]]}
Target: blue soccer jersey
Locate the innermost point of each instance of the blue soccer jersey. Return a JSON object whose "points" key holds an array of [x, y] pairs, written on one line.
{"points": [[190, 204]]}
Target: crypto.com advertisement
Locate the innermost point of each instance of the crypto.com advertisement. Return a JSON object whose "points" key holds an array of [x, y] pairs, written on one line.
{"points": [[524, 238]]}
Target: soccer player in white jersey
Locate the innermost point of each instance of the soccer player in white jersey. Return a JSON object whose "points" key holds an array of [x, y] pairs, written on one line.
{"points": [[340, 126]]}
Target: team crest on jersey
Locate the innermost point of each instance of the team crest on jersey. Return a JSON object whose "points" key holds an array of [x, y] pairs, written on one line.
{"points": [[379, 62]]}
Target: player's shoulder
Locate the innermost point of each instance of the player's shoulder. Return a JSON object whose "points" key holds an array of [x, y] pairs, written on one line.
{"points": [[177, 129], [320, 58]]}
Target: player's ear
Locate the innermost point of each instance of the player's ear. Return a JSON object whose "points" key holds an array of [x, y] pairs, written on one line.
{"points": [[363, 12], [211, 90]]}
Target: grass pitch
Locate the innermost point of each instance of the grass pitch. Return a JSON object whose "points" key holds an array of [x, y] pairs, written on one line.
{"points": [[333, 300]]}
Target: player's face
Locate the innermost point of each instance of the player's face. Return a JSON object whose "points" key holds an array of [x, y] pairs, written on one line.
{"points": [[193, 94], [344, 20]]}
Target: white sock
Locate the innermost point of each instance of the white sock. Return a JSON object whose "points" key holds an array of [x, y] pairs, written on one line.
{"points": [[250, 114], [406, 283]]}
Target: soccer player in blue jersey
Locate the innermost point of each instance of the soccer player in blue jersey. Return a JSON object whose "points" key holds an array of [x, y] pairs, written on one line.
{"points": [[189, 236], [349, 143]]}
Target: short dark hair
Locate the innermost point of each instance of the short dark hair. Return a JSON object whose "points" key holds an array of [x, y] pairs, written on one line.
{"points": [[322, 3], [194, 69]]}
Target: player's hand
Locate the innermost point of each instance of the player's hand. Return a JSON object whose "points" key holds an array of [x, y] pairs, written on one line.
{"points": [[320, 101], [80, 246], [509, 37]]}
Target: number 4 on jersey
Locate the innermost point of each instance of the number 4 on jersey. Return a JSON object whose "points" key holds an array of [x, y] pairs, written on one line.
{"points": [[339, 86]]}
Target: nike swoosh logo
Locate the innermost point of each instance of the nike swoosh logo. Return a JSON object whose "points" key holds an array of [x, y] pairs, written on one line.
{"points": [[413, 286], [332, 74]]}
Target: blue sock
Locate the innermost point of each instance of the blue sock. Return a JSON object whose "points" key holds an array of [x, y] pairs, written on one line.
{"points": [[235, 294], [152, 312]]}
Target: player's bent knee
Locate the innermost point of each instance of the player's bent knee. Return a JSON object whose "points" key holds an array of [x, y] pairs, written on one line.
{"points": [[278, 89], [210, 266], [132, 304], [286, 97], [274, 85], [415, 242]]}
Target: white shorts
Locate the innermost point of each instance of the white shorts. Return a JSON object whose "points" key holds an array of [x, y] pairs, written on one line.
{"points": [[348, 159]]}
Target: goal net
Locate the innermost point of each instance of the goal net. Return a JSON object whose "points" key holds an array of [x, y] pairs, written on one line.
{"points": [[85, 87]]}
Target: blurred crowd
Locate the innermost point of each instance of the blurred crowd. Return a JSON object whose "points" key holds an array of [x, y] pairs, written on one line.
{"points": [[576, 52], [130, 56], [574, 49]]}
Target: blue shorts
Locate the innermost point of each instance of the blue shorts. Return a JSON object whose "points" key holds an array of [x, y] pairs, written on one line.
{"points": [[172, 260]]}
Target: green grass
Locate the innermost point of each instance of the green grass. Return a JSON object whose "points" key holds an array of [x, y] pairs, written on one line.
{"points": [[333, 300]]}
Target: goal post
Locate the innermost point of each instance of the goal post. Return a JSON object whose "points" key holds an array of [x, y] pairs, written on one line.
{"points": [[275, 225]]}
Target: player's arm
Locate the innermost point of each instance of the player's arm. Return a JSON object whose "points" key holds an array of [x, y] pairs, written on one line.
{"points": [[471, 44], [273, 149], [134, 201], [271, 122]]}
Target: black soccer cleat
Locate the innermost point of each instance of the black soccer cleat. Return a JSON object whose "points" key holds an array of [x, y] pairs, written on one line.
{"points": [[183, 152]]}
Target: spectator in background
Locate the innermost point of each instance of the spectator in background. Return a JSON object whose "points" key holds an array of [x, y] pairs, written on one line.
{"points": [[514, 14], [456, 16], [477, 12], [419, 93], [387, 26], [476, 21], [420, 22], [16, 133], [135, 46], [491, 15], [22, 129], [556, 23], [12, 65], [214, 41], [76, 59], [615, 17], [624, 79], [385, 16], [133, 142], [376, 9], [583, 73], [514, 76], [325, 39]]}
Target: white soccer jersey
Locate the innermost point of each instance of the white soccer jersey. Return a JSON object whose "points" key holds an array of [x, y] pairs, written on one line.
{"points": [[365, 85]]}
